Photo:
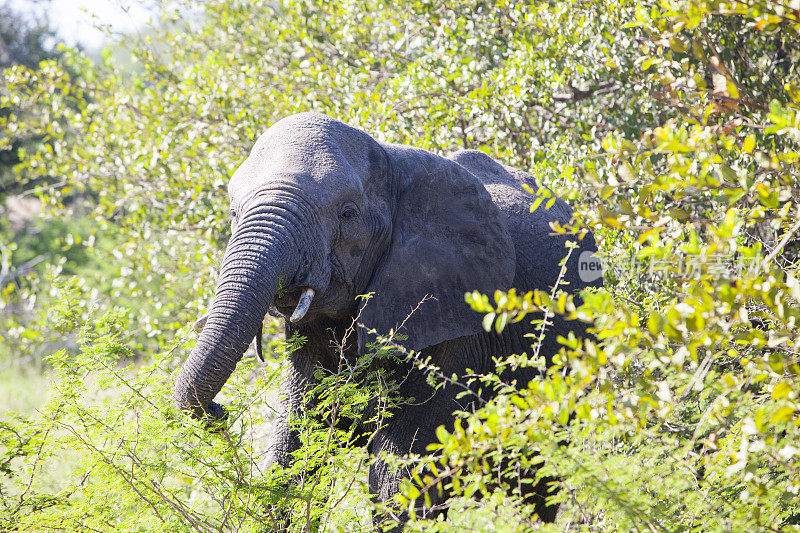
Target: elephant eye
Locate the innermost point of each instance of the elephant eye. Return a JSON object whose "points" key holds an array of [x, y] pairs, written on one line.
{"points": [[348, 212]]}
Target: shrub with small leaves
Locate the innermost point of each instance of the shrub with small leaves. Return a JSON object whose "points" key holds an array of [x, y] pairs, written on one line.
{"points": [[674, 129]]}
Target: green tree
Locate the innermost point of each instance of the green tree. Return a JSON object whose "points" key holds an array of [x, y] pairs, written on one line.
{"points": [[24, 40], [674, 127]]}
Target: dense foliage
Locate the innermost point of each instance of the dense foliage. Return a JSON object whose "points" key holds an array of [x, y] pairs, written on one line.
{"points": [[674, 129], [23, 41]]}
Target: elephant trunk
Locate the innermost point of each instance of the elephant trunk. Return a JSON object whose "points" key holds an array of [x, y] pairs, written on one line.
{"points": [[261, 259]]}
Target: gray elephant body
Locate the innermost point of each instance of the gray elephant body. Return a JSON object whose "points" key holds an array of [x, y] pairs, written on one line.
{"points": [[320, 205]]}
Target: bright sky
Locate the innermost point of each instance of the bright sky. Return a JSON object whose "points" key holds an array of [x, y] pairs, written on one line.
{"points": [[76, 20]]}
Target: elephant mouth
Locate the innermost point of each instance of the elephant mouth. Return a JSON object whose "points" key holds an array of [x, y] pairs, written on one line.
{"points": [[285, 302], [294, 302]]}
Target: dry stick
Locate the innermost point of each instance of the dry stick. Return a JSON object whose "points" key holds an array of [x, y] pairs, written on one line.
{"points": [[111, 463], [423, 365], [328, 439], [154, 487], [7, 275], [341, 346], [240, 476], [152, 484], [249, 476], [552, 296], [781, 244], [38, 458], [698, 376]]}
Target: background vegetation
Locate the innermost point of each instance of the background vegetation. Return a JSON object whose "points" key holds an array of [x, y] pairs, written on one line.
{"points": [[672, 127]]}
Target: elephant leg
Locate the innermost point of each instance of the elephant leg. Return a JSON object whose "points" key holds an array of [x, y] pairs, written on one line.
{"points": [[532, 492], [410, 430], [297, 385], [299, 401], [384, 484], [546, 486], [283, 441]]}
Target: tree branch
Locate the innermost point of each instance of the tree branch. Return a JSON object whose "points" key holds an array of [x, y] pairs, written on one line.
{"points": [[579, 94]]}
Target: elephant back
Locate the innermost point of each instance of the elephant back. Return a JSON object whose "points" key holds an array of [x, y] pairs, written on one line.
{"points": [[539, 250]]}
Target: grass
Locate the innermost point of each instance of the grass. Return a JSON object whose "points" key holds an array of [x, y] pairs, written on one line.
{"points": [[23, 390]]}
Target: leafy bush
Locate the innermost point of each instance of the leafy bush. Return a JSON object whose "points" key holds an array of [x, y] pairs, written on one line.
{"points": [[674, 128]]}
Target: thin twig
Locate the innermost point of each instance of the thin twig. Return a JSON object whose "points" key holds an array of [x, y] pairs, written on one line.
{"points": [[783, 242]]}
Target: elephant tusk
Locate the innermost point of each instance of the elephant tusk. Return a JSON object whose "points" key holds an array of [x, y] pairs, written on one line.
{"points": [[303, 305]]}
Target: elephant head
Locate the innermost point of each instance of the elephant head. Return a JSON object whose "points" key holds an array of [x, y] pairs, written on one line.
{"points": [[321, 213]]}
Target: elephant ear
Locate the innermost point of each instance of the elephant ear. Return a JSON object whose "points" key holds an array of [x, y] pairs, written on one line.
{"points": [[448, 238]]}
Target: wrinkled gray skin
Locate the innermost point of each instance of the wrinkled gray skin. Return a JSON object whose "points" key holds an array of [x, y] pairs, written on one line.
{"points": [[322, 205]]}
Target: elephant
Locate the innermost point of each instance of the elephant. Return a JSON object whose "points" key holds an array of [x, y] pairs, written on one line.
{"points": [[322, 213]]}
